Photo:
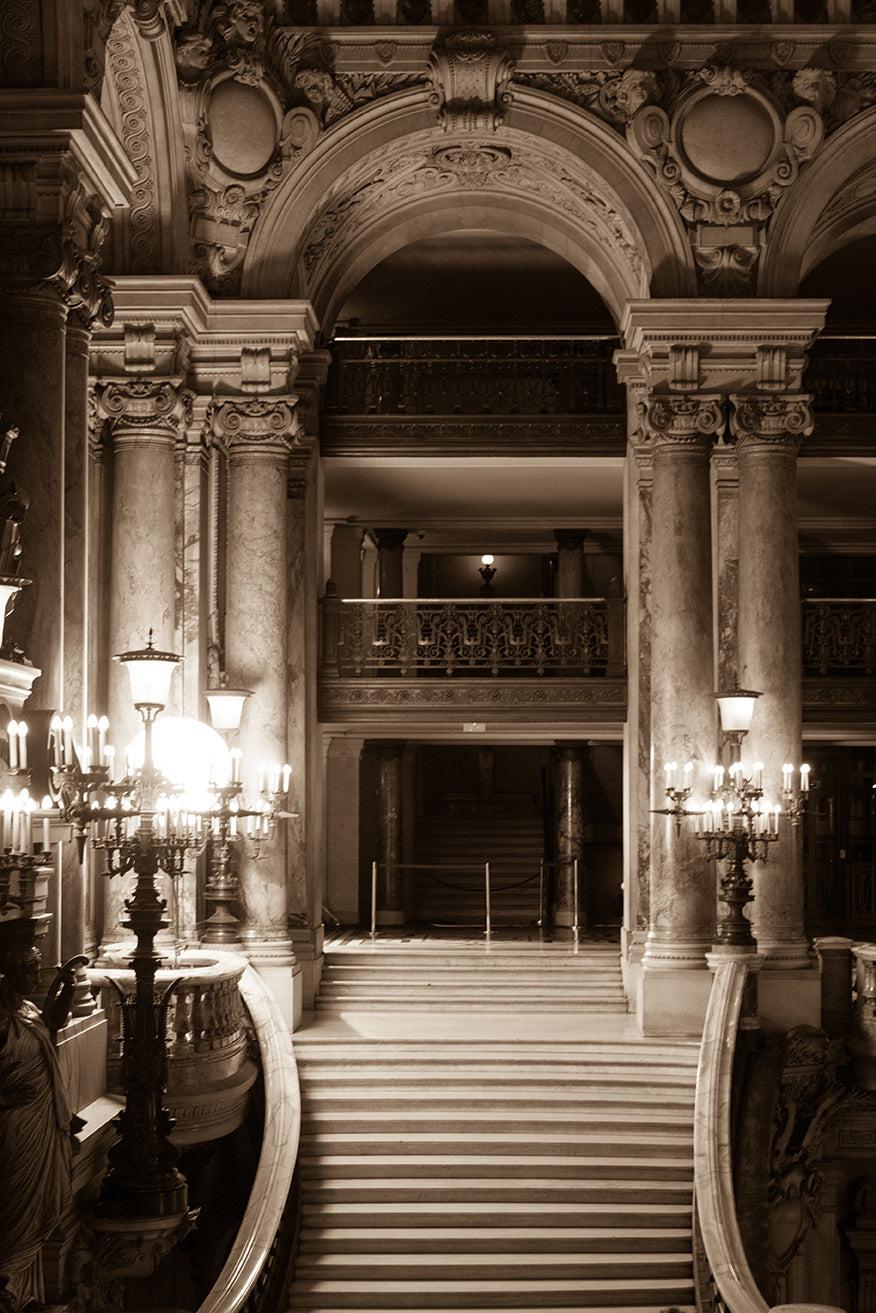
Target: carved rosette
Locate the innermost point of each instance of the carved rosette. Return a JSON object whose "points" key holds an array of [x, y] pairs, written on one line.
{"points": [[470, 73], [686, 422], [143, 409], [257, 427], [771, 422]]}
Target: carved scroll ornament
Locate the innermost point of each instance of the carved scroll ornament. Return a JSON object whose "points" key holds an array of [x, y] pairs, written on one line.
{"points": [[470, 73]]}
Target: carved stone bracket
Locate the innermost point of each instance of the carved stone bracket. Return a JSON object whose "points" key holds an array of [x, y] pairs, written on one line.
{"points": [[771, 421], [258, 427], [144, 406], [470, 73], [684, 421]]}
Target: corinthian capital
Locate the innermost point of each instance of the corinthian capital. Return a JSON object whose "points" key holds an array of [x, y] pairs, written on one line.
{"points": [[771, 421], [144, 406], [264, 426], [684, 421]]}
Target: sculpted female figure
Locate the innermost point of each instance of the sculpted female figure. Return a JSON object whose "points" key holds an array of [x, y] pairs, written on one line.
{"points": [[35, 1119]]}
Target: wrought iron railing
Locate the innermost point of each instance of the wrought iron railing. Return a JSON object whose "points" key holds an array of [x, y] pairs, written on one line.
{"points": [[839, 636], [577, 637], [841, 376], [389, 376]]}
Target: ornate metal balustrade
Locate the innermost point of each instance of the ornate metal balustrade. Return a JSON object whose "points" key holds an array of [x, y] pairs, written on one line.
{"points": [[839, 636], [842, 376], [578, 637], [386, 376]]}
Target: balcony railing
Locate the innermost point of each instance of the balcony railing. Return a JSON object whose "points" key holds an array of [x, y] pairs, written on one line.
{"points": [[479, 636], [839, 636]]}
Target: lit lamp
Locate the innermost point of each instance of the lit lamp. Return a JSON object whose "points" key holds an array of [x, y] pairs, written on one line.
{"points": [[737, 823], [143, 1180], [222, 926], [487, 573]]}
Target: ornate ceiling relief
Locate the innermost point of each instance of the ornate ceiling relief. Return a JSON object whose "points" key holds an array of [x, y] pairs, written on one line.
{"points": [[420, 167]]}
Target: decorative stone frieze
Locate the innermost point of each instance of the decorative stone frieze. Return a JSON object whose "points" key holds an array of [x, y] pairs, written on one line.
{"points": [[469, 73]]}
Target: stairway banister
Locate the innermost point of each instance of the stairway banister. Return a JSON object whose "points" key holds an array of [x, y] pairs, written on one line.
{"points": [[715, 1202], [713, 1167], [277, 1158]]}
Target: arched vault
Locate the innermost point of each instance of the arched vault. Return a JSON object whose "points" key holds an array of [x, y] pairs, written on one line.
{"points": [[548, 174]]}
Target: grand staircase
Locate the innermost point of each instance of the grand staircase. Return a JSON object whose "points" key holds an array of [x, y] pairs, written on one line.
{"points": [[506, 1153]]}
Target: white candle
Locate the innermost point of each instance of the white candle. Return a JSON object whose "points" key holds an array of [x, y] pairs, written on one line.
{"points": [[758, 775], [719, 777], [787, 772], [287, 775], [804, 778], [12, 731], [55, 731], [236, 756], [67, 726], [102, 728], [22, 744], [670, 768]]}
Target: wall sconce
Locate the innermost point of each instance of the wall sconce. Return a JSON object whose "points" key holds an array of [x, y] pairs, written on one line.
{"points": [[487, 573]]}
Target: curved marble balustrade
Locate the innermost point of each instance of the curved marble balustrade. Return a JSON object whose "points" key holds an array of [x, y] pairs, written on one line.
{"points": [[862, 1040], [733, 1287], [209, 1068], [268, 1208]]}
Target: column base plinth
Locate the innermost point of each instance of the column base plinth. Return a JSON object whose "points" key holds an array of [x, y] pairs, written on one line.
{"points": [[279, 968], [673, 1000], [388, 916]]}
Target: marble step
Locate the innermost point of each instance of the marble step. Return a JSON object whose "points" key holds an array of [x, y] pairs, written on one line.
{"points": [[460, 1239], [390, 1121], [612, 1143], [490, 971], [483, 1267], [421, 1218], [478, 1188], [506, 1294]]}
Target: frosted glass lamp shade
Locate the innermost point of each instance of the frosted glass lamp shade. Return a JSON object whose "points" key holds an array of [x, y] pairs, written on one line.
{"points": [[150, 672], [737, 709], [226, 707]]}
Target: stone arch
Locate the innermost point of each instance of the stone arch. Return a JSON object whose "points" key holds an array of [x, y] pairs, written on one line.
{"points": [[550, 174], [808, 228], [141, 100]]}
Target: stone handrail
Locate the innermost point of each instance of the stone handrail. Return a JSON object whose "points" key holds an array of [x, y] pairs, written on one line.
{"points": [[734, 1287], [244, 1268]]}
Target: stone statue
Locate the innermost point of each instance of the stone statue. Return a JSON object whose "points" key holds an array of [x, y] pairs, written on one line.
{"points": [[36, 1125]]}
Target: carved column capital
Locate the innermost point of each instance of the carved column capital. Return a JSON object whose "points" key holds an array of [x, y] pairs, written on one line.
{"points": [[261, 426], [771, 422], [141, 409], [684, 422]]}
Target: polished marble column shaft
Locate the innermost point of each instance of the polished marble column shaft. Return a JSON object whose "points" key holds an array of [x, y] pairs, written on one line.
{"points": [[259, 436], [390, 561], [390, 833], [682, 895], [569, 838], [768, 432]]}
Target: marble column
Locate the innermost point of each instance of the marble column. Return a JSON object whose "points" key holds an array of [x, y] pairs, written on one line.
{"points": [[571, 577], [346, 559], [259, 434], [725, 484], [390, 833], [143, 417], [768, 431], [32, 374], [390, 564], [637, 740], [683, 712], [569, 838]]}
